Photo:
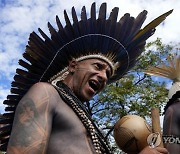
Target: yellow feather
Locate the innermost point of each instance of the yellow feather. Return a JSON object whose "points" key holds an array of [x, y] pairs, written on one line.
{"points": [[152, 24]]}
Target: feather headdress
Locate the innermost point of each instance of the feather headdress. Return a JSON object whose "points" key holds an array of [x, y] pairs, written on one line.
{"points": [[171, 71], [116, 41]]}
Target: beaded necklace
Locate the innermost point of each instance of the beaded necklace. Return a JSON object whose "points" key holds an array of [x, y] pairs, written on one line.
{"points": [[98, 140]]}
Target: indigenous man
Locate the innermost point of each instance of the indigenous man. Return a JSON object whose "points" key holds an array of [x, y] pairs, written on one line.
{"points": [[171, 124], [66, 70]]}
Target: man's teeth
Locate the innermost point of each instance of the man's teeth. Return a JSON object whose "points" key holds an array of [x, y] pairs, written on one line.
{"points": [[93, 85], [93, 82]]}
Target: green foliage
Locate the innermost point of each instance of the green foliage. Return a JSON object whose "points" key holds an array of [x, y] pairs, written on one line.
{"points": [[135, 93]]}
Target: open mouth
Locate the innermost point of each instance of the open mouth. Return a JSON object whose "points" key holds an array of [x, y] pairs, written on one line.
{"points": [[94, 85]]}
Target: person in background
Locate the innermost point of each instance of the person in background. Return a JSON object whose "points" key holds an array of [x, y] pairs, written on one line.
{"points": [[171, 123]]}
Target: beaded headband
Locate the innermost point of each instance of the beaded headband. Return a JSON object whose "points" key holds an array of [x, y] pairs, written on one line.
{"points": [[63, 74]]}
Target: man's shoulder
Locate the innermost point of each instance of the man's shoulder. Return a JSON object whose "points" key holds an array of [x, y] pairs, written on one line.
{"points": [[42, 90], [42, 93], [42, 86]]}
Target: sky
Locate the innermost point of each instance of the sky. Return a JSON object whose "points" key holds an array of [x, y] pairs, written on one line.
{"points": [[18, 18]]}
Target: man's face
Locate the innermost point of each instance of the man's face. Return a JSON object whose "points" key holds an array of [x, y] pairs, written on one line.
{"points": [[89, 77]]}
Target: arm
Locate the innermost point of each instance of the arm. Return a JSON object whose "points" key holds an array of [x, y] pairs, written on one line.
{"points": [[157, 150], [32, 122]]}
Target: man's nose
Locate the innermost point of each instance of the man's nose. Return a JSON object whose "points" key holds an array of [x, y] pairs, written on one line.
{"points": [[102, 76]]}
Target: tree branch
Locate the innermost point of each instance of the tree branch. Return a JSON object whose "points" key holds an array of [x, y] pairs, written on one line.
{"points": [[140, 79], [100, 110], [109, 132]]}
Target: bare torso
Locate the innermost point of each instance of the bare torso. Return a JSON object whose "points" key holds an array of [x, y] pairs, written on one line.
{"points": [[68, 134], [45, 124]]}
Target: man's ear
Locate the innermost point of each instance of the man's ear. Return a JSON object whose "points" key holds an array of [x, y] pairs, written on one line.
{"points": [[72, 65]]}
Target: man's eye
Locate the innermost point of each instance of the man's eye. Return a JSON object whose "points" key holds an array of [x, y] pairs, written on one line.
{"points": [[98, 66]]}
